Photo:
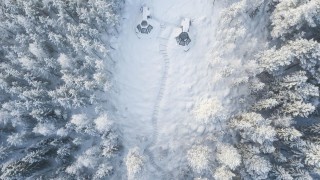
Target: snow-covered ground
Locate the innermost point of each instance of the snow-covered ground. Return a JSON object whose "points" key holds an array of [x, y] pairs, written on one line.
{"points": [[157, 83]]}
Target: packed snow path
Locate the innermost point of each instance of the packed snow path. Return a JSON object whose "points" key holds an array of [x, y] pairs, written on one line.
{"points": [[154, 102], [155, 114]]}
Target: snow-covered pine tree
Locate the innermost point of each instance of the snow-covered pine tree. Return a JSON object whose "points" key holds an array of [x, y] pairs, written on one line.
{"points": [[294, 16], [292, 95], [253, 128], [302, 52], [135, 162], [199, 158], [228, 156]]}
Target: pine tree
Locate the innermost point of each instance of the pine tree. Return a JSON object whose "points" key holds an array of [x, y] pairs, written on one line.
{"points": [[135, 163], [290, 16], [257, 167], [223, 173], [228, 156], [199, 158], [252, 127], [301, 51]]}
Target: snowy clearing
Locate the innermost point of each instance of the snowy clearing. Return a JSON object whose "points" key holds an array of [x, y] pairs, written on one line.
{"points": [[157, 83]]}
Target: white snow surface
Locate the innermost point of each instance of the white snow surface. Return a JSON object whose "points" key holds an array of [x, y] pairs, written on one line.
{"points": [[185, 24], [155, 100], [145, 12]]}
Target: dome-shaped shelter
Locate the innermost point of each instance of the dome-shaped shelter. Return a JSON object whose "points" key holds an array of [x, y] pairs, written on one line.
{"points": [[144, 27], [183, 39]]}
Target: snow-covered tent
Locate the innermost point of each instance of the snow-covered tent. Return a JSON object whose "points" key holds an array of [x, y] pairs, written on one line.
{"points": [[183, 39]]}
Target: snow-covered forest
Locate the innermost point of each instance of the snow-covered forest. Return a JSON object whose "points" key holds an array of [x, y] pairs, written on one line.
{"points": [[168, 89], [54, 64]]}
